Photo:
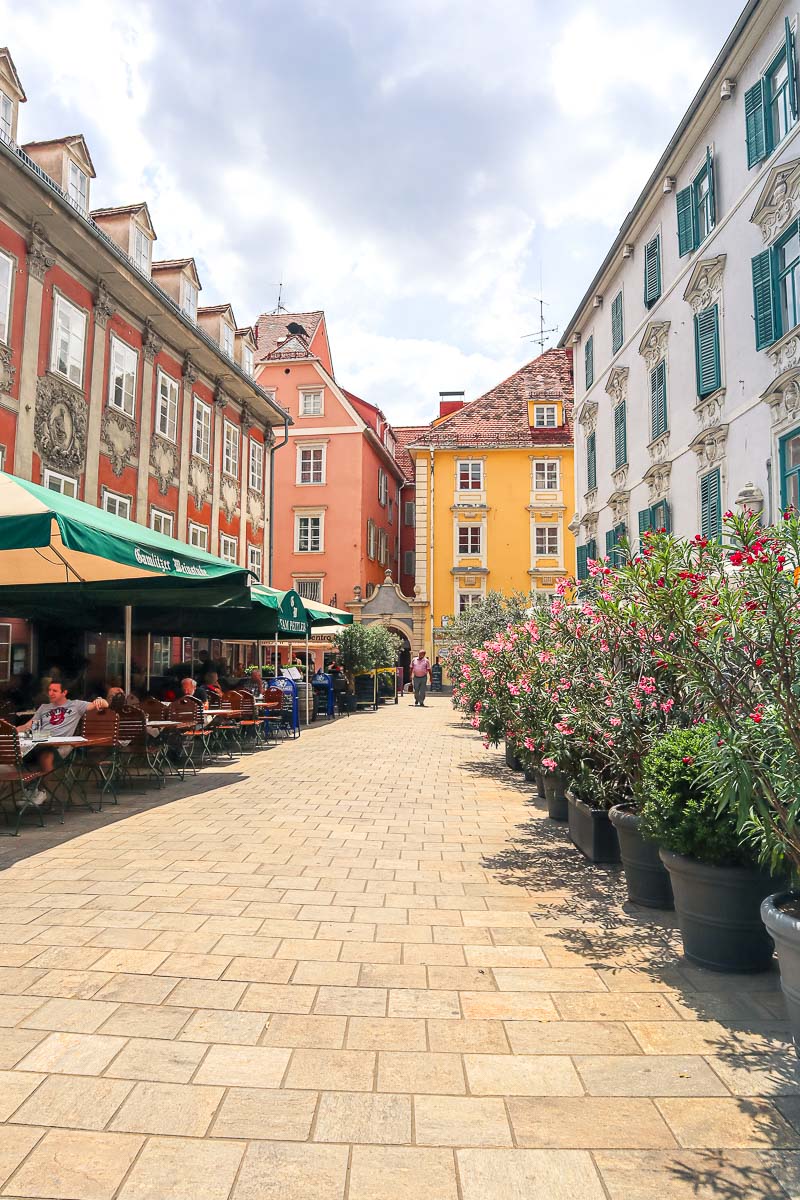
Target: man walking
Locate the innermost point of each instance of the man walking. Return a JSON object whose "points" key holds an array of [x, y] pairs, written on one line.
{"points": [[420, 673]]}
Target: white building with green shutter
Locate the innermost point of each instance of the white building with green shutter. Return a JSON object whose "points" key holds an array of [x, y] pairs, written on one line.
{"points": [[687, 342]]}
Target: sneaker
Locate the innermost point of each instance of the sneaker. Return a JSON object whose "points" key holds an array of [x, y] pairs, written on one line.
{"points": [[39, 797]]}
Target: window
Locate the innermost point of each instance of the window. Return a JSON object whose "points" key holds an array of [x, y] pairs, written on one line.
{"points": [[6, 117], [78, 187], [383, 547], [198, 536], [372, 539], [141, 250], [122, 377], [584, 554], [311, 404], [545, 476], [656, 518], [247, 360], [591, 461], [469, 539], [162, 657], [118, 506], [308, 534], [409, 514], [6, 279], [770, 106], [228, 547], [201, 430], [697, 208], [69, 340], [710, 505], [790, 469], [470, 475], [658, 400], [255, 471], [613, 538], [64, 484], [5, 652], [230, 450], [617, 323], [706, 350], [409, 565], [467, 599], [588, 362], [620, 436], [652, 271], [310, 589], [161, 522], [167, 407], [2, 458], [227, 339], [545, 416], [255, 559], [310, 464], [546, 540], [390, 511], [383, 487], [188, 298]]}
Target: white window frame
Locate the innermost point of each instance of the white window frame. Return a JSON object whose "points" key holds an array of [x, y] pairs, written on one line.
{"points": [[142, 249], [546, 531], [255, 560], [383, 547], [2, 458], [544, 465], [465, 600], [124, 364], [78, 186], [6, 117], [248, 361], [372, 539], [162, 522], [311, 450], [201, 429], [189, 297], [7, 268], [307, 410], [67, 485], [470, 464], [227, 339], [383, 487], [116, 504], [255, 465], [198, 536], [228, 548], [161, 654], [545, 411], [309, 589], [231, 449], [167, 399], [469, 530], [309, 516], [64, 314]]}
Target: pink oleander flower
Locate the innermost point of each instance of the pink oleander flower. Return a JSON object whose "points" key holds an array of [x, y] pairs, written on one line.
{"points": [[549, 764]]}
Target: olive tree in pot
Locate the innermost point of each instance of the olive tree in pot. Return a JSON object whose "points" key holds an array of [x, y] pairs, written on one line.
{"points": [[717, 884]]}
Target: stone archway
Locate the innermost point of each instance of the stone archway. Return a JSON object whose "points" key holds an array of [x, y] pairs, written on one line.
{"points": [[388, 606]]}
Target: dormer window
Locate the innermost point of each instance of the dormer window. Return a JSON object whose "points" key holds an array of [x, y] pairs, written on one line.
{"points": [[78, 187], [189, 298], [142, 247], [6, 117], [227, 339], [247, 360]]}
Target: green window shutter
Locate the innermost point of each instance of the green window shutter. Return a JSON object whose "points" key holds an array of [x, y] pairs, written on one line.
{"points": [[613, 539], [791, 67], [591, 549], [620, 436], [712, 195], [659, 515], [591, 461], [588, 361], [706, 350], [617, 327], [583, 567], [687, 238], [611, 542], [710, 505], [652, 271], [763, 301], [645, 522], [755, 122], [658, 400]]}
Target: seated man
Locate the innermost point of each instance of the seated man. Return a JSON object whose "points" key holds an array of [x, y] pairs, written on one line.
{"points": [[209, 686], [253, 683], [60, 717], [188, 687]]}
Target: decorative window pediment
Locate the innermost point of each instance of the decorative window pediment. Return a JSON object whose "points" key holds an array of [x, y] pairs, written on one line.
{"points": [[705, 283], [657, 479], [783, 397], [653, 346], [588, 416], [779, 201], [617, 384], [709, 446]]}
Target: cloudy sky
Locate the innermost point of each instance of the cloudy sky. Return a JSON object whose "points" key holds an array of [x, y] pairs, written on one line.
{"points": [[410, 166]]}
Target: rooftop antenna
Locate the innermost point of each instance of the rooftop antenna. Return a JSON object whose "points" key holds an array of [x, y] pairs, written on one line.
{"points": [[279, 307], [541, 336]]}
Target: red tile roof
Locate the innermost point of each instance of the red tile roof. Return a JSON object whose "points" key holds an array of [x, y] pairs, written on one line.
{"points": [[406, 435], [271, 329], [500, 416]]}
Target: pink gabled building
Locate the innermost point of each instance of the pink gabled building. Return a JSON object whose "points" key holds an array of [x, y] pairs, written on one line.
{"points": [[337, 482]]}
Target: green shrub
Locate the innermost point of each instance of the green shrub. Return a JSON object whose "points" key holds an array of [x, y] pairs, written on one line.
{"points": [[681, 804]]}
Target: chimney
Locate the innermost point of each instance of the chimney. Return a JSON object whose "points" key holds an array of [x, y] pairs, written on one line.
{"points": [[450, 402]]}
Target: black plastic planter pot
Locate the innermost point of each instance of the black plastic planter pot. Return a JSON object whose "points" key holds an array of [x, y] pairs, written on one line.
{"points": [[718, 912], [556, 798], [646, 877], [592, 832], [511, 756], [785, 930]]}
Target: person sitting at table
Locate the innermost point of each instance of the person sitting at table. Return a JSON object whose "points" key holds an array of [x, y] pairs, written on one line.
{"points": [[115, 697], [253, 682], [60, 717], [209, 686], [188, 686]]}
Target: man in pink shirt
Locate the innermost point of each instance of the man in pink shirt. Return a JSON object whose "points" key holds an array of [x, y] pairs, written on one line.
{"points": [[420, 673]]}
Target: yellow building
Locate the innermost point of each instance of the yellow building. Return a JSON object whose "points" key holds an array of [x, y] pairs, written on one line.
{"points": [[495, 493]]}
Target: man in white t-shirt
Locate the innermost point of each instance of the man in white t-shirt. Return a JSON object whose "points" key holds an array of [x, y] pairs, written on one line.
{"points": [[60, 717], [420, 673]]}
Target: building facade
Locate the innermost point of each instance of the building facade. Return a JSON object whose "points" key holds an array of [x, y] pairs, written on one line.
{"points": [[115, 386], [407, 553], [494, 493], [336, 529], [686, 342]]}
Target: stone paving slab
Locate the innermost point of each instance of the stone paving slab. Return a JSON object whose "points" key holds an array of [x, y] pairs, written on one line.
{"points": [[360, 965]]}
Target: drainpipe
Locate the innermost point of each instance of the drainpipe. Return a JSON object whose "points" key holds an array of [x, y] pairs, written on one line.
{"points": [[403, 485], [272, 450]]}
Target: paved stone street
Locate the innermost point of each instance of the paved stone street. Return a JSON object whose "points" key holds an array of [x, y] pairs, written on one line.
{"points": [[364, 965]]}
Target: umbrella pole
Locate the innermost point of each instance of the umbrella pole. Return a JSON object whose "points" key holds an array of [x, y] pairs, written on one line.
{"points": [[147, 670], [275, 671], [128, 639], [258, 654], [308, 678]]}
